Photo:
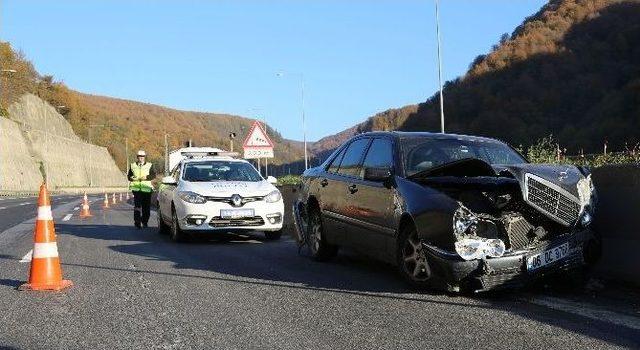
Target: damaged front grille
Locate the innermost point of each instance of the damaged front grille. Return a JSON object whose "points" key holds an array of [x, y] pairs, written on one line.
{"points": [[551, 200], [518, 231]]}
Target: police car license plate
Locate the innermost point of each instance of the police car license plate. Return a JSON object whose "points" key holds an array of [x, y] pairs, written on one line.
{"points": [[547, 257], [236, 213]]}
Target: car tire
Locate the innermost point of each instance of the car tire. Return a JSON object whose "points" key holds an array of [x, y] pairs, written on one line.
{"points": [[319, 248], [273, 235], [163, 228], [176, 234], [412, 261]]}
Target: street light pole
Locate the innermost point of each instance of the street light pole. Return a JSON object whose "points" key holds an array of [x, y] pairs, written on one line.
{"points": [[439, 66], [304, 122]]}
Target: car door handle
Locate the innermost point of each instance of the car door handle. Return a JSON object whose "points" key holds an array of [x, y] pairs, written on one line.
{"points": [[353, 188], [324, 182]]}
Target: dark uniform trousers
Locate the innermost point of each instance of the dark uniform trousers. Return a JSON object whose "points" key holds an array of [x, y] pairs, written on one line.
{"points": [[142, 204]]}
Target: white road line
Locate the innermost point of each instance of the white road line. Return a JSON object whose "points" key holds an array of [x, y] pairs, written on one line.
{"points": [[76, 208], [588, 311], [27, 257], [67, 217], [2, 208], [24, 203]]}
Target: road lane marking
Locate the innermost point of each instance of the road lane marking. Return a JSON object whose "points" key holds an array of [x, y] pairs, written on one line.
{"points": [[67, 217], [76, 208], [3, 208], [24, 203], [27, 257], [588, 311]]}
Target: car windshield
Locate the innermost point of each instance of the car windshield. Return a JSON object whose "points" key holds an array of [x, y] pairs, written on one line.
{"points": [[208, 171], [421, 154]]}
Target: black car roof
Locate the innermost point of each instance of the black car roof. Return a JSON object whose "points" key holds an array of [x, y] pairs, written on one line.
{"points": [[431, 135]]}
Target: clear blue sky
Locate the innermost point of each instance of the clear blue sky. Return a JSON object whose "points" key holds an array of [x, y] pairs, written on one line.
{"points": [[358, 57]]}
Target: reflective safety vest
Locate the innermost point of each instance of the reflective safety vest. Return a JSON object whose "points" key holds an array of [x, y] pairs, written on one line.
{"points": [[140, 171]]}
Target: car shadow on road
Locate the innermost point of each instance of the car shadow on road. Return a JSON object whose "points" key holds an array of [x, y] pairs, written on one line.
{"points": [[251, 259], [248, 256]]}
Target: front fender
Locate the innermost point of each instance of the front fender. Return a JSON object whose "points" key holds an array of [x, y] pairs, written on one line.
{"points": [[431, 211]]}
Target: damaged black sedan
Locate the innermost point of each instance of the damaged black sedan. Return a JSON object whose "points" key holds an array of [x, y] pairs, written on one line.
{"points": [[461, 213]]}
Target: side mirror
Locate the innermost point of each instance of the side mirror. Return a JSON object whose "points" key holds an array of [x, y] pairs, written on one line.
{"points": [[169, 180], [272, 180], [377, 174]]}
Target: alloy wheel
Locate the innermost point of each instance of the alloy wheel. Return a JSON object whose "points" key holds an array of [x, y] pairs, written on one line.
{"points": [[414, 261], [315, 234]]}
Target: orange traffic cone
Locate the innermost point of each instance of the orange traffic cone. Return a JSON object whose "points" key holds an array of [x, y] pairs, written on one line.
{"points": [[105, 205], [46, 273], [85, 213], [114, 199]]}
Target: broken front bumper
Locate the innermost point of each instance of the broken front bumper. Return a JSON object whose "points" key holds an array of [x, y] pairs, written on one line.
{"points": [[299, 223], [508, 271]]}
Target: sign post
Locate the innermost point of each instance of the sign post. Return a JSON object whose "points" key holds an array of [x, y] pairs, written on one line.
{"points": [[257, 144]]}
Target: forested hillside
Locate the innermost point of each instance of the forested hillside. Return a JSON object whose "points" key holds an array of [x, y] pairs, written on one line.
{"points": [[571, 70], [115, 120]]}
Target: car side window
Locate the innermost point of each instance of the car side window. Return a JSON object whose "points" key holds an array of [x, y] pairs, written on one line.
{"points": [[380, 154], [335, 163], [350, 165]]}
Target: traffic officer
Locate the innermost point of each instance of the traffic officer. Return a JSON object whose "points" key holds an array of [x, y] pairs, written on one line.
{"points": [[140, 175]]}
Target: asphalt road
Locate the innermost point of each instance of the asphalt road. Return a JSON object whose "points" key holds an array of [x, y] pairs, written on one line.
{"points": [[16, 210], [136, 289]]}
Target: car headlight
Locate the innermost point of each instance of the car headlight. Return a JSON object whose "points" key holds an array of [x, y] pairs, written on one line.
{"points": [[273, 197], [463, 218], [585, 190], [471, 248], [192, 197]]}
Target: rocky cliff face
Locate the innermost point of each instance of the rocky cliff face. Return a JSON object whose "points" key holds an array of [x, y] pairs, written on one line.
{"points": [[36, 140]]}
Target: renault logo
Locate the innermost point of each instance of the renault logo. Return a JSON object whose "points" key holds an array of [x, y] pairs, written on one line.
{"points": [[236, 200]]}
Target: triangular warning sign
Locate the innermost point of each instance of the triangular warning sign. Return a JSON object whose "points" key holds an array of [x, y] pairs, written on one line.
{"points": [[257, 137]]}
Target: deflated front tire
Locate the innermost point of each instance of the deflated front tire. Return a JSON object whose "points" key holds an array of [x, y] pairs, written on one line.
{"points": [[412, 260], [319, 248]]}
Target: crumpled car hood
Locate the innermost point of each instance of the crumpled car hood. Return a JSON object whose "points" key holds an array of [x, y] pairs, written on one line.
{"points": [[564, 176]]}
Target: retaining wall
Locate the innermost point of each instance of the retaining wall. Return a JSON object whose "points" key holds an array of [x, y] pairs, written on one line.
{"points": [[36, 134], [18, 170], [616, 221]]}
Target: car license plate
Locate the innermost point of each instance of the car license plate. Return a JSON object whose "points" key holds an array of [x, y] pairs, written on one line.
{"points": [[236, 213], [547, 257]]}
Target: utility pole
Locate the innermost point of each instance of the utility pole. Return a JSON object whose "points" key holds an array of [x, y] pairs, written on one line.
{"points": [[264, 121], [126, 153], [439, 66], [232, 136], [166, 155]]}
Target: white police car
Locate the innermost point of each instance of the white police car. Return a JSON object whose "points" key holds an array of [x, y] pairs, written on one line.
{"points": [[218, 193]]}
